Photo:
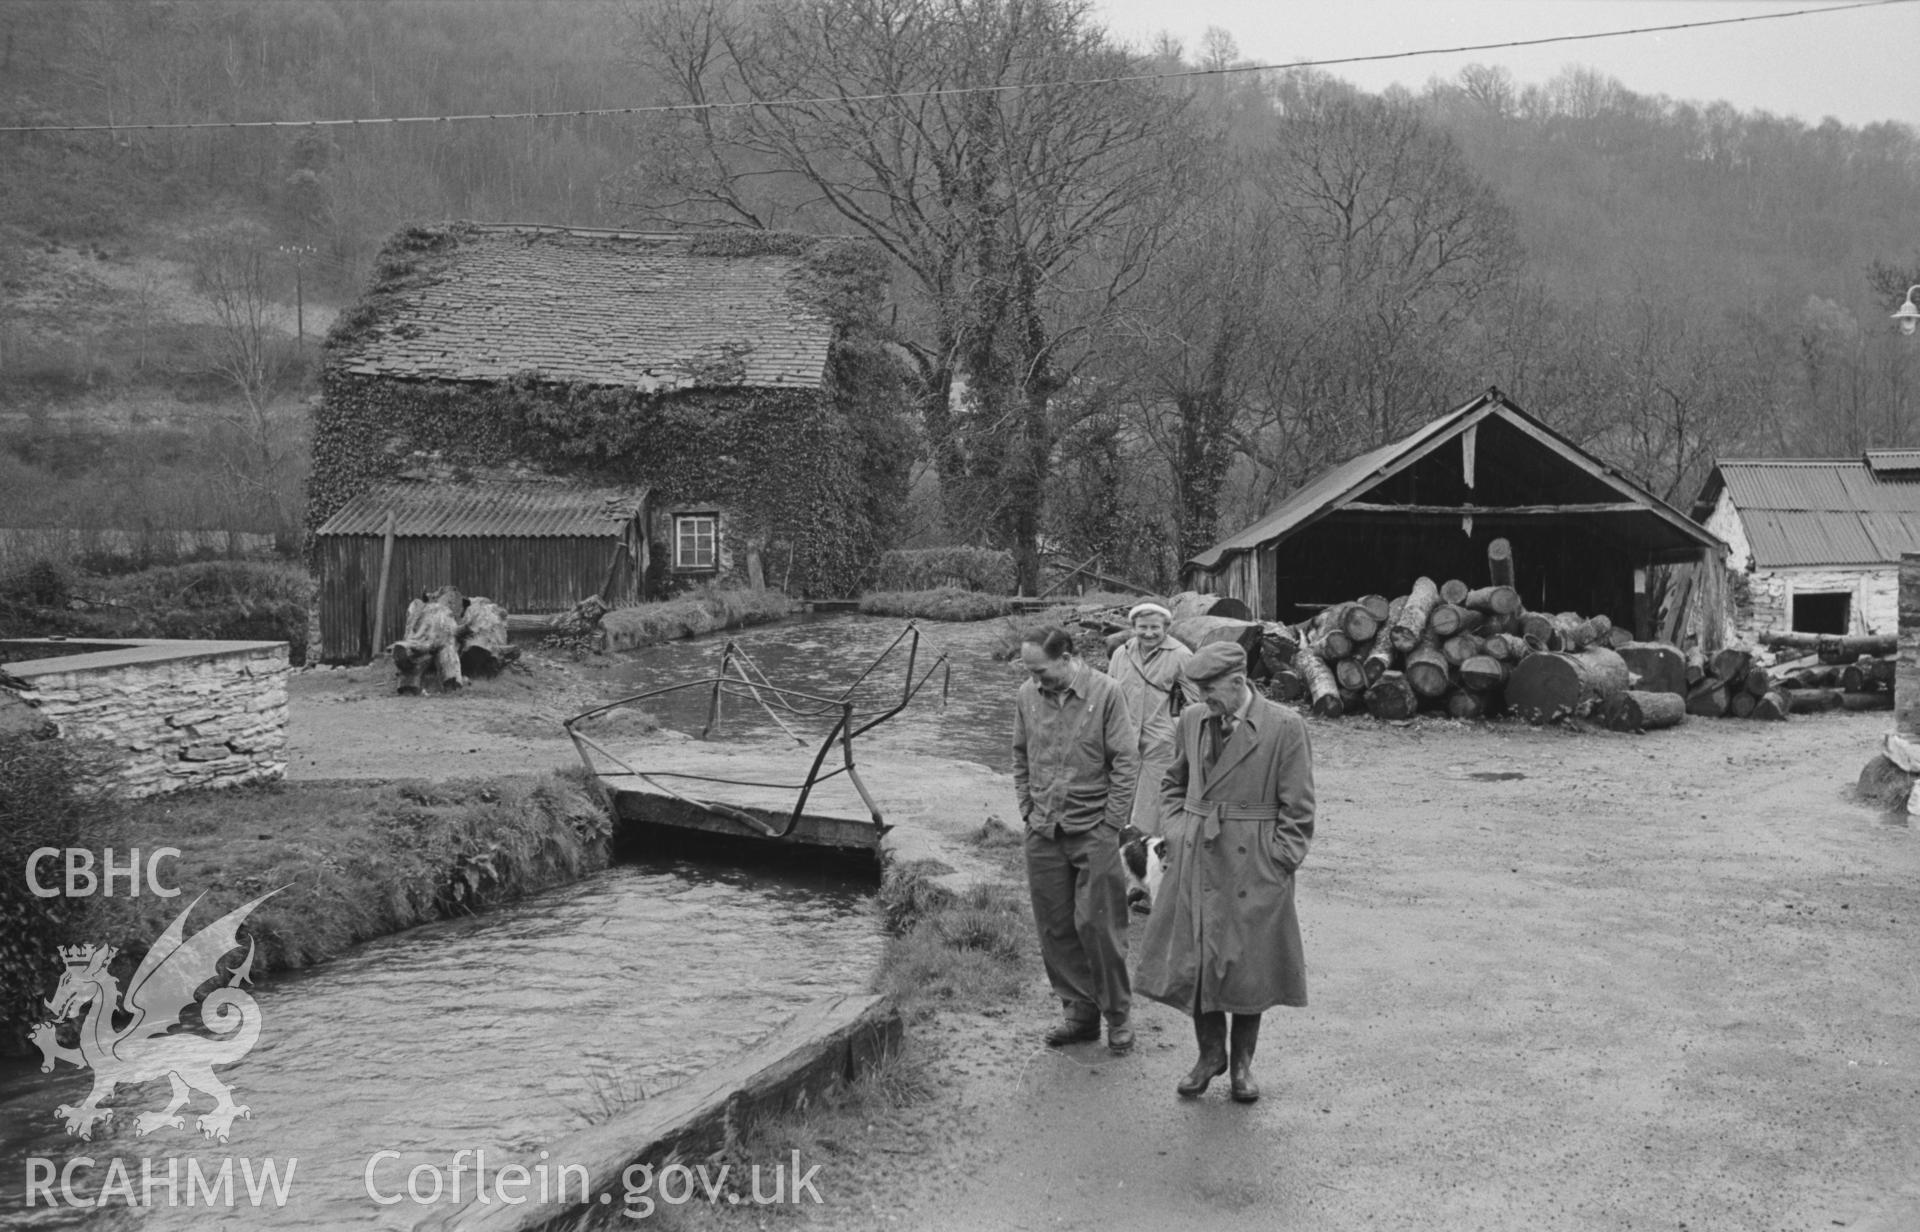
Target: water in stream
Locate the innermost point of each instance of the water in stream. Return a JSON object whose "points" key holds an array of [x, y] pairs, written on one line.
{"points": [[501, 1032], [506, 1031]]}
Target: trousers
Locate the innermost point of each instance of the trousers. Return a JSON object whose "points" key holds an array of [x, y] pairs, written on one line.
{"points": [[1079, 889]]}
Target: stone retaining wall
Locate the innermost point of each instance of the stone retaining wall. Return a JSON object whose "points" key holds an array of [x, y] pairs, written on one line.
{"points": [[181, 713]]}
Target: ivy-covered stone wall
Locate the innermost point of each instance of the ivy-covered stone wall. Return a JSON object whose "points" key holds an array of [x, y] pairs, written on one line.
{"points": [[815, 479], [801, 480]]}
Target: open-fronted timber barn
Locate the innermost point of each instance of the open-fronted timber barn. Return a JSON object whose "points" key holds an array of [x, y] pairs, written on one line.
{"points": [[530, 546], [1584, 537]]}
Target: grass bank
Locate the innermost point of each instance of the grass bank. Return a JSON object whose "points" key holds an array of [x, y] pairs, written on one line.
{"points": [[702, 611], [350, 861]]}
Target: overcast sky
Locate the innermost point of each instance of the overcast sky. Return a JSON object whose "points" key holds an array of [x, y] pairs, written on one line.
{"points": [[1859, 66]]}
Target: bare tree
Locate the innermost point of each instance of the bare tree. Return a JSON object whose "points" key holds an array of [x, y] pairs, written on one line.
{"points": [[1676, 394], [248, 351], [1187, 354], [1390, 244], [1013, 205]]}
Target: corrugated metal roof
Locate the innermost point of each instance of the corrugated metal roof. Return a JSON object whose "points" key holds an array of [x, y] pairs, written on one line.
{"points": [[600, 308], [1882, 461], [1351, 478], [1824, 511], [523, 510], [1311, 498]]}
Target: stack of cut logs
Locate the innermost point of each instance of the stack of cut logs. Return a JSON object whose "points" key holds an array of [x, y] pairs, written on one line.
{"points": [[1814, 672], [1442, 647], [1474, 652]]}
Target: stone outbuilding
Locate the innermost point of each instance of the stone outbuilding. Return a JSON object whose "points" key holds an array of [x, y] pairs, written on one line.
{"points": [[1584, 537], [1814, 544], [724, 409]]}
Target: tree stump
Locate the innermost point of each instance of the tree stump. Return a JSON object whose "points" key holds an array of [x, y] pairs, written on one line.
{"points": [[1551, 685], [1812, 701], [1391, 697], [431, 641], [483, 644], [1637, 710], [1359, 623], [1411, 624], [1494, 600], [1483, 672], [1708, 699], [1660, 666], [1278, 645], [1321, 686], [1884, 784], [1379, 659], [1427, 670], [1450, 619], [1198, 631], [1500, 562]]}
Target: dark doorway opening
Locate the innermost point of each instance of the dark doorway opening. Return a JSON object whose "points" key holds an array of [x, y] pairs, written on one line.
{"points": [[1821, 613]]}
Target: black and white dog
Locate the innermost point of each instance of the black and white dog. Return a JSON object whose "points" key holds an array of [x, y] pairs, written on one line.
{"points": [[1146, 861]]}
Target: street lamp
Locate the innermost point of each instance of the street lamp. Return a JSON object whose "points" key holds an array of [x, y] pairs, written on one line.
{"points": [[1907, 314]]}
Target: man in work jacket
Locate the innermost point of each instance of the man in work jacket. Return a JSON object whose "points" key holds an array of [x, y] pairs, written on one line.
{"points": [[1075, 760], [1147, 669], [1223, 938]]}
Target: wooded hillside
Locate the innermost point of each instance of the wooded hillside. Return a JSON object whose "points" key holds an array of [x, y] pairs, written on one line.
{"points": [[1219, 287]]}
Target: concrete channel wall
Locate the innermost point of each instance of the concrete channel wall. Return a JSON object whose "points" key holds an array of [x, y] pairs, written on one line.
{"points": [[829, 1042]]}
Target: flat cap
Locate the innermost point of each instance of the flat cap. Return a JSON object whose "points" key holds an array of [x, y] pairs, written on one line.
{"points": [[1214, 660]]}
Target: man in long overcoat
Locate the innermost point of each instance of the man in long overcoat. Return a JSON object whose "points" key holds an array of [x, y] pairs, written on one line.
{"points": [[1223, 937]]}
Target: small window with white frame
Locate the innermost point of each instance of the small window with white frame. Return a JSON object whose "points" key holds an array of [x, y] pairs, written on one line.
{"points": [[696, 541]]}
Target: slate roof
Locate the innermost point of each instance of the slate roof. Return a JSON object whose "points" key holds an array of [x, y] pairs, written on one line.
{"points": [[1821, 511], [597, 307], [1352, 478], [522, 510]]}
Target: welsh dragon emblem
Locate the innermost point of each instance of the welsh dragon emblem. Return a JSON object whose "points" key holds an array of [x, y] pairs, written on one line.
{"points": [[147, 1046]]}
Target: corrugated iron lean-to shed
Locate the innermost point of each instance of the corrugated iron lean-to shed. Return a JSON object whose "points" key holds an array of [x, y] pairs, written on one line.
{"points": [[531, 547]]}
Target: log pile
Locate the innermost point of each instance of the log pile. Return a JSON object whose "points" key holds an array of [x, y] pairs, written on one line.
{"points": [[1477, 651], [1468, 651], [1816, 672]]}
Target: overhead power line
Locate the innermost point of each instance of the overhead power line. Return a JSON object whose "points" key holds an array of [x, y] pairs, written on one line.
{"points": [[950, 92]]}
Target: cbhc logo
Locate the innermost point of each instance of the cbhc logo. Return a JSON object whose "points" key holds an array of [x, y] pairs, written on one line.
{"points": [[82, 881]]}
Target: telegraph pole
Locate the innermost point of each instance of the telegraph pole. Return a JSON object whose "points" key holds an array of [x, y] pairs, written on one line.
{"points": [[298, 252]]}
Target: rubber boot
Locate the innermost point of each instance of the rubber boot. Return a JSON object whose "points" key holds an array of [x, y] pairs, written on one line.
{"points": [[1211, 1031], [1246, 1033]]}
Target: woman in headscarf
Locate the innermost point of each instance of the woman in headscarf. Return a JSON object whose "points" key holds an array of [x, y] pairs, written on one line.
{"points": [[1147, 669]]}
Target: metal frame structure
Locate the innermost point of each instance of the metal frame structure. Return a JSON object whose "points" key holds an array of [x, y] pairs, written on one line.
{"points": [[740, 677]]}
